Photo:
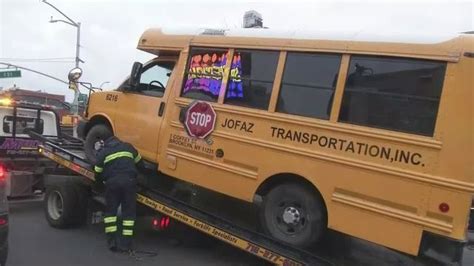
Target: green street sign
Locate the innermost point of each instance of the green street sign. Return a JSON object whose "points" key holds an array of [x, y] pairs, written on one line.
{"points": [[82, 98], [10, 74]]}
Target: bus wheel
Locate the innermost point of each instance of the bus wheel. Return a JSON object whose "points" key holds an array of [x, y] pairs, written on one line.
{"points": [[96, 133], [294, 214]]}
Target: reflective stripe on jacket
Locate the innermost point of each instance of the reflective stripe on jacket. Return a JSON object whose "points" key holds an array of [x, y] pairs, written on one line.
{"points": [[117, 158]]}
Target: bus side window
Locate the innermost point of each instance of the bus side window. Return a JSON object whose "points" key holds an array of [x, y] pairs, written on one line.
{"points": [[393, 93], [251, 78], [308, 84], [154, 79]]}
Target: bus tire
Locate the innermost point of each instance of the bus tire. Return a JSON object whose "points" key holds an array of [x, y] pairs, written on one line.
{"points": [[65, 205], [96, 133], [294, 214]]}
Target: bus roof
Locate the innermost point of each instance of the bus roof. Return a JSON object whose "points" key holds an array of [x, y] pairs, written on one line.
{"points": [[446, 47]]}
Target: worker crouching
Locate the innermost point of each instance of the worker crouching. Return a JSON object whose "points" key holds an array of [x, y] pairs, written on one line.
{"points": [[117, 167]]}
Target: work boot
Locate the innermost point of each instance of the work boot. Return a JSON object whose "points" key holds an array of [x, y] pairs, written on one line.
{"points": [[112, 243], [124, 243]]}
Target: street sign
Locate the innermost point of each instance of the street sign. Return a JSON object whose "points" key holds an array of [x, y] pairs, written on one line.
{"points": [[10, 74], [82, 98], [200, 119]]}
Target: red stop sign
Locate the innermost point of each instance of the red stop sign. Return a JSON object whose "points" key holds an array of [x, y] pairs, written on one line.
{"points": [[200, 119]]}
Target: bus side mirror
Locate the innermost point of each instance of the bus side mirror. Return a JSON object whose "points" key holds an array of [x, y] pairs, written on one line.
{"points": [[74, 74], [135, 75]]}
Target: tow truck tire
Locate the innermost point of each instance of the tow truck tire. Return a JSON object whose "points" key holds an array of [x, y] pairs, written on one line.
{"points": [[65, 205], [96, 133], [294, 214]]}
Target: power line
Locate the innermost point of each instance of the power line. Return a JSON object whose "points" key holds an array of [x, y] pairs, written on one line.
{"points": [[35, 71], [41, 60], [41, 73], [28, 61], [50, 58]]}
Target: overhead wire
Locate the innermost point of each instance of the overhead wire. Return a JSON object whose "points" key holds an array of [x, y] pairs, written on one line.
{"points": [[41, 60]]}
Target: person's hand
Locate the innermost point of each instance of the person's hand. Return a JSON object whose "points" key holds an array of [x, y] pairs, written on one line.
{"points": [[99, 145]]}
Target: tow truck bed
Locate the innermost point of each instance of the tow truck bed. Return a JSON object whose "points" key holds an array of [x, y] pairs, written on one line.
{"points": [[69, 154]]}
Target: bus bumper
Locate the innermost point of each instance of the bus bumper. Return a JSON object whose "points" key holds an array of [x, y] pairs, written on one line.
{"points": [[441, 248]]}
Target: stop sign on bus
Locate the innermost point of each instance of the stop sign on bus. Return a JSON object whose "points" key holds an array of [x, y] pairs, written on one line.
{"points": [[200, 119]]}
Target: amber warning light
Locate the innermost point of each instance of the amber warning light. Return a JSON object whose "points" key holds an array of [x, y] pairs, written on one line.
{"points": [[5, 101]]}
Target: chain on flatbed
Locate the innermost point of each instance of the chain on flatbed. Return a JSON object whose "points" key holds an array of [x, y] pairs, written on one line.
{"points": [[233, 239]]}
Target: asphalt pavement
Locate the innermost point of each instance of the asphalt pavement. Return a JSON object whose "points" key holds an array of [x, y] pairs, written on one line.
{"points": [[34, 242]]}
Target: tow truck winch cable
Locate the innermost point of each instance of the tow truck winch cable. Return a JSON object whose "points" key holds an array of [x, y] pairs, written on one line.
{"points": [[135, 254]]}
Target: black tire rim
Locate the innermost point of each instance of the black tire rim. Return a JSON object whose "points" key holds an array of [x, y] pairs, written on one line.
{"points": [[290, 217]]}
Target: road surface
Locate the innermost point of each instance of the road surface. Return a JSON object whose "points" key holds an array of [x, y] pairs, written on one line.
{"points": [[34, 242]]}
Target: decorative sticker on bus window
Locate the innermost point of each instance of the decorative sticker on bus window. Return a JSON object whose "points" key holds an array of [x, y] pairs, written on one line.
{"points": [[205, 73], [235, 90]]}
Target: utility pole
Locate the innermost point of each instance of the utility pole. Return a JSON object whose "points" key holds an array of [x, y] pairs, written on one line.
{"points": [[75, 103], [78, 45]]}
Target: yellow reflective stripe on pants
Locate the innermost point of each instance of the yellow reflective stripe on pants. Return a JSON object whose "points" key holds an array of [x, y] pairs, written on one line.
{"points": [[127, 232], [111, 229], [110, 219], [116, 155], [98, 169], [138, 158], [128, 222]]}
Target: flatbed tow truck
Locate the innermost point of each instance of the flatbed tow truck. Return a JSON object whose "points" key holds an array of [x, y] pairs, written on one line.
{"points": [[75, 176]]}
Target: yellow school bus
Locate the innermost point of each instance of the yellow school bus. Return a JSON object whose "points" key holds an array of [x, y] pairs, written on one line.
{"points": [[365, 135]]}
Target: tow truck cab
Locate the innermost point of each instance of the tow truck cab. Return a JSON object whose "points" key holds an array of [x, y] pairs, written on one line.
{"points": [[23, 167]]}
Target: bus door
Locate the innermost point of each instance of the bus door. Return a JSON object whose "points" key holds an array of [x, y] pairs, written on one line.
{"points": [[140, 112]]}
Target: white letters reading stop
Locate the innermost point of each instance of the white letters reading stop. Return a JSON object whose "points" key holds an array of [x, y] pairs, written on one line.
{"points": [[200, 119]]}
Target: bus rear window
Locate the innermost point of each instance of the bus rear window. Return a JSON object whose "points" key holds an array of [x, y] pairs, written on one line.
{"points": [[393, 93]]}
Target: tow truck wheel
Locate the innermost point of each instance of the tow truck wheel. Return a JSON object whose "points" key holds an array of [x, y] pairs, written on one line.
{"points": [[96, 133], [63, 205], [292, 213]]}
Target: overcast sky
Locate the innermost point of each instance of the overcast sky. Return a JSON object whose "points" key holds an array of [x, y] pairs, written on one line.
{"points": [[110, 29]]}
